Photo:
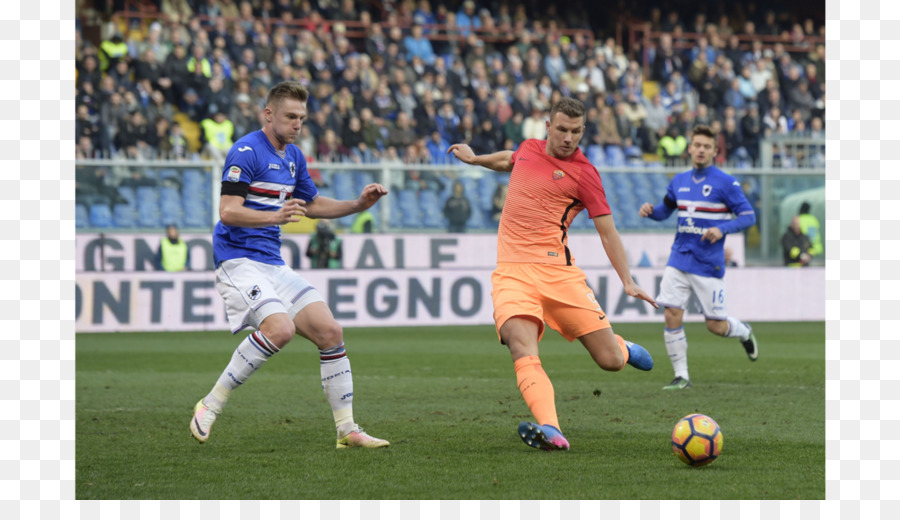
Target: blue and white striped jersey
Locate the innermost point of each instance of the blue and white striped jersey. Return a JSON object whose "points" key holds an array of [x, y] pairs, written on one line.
{"points": [[705, 198], [272, 180]]}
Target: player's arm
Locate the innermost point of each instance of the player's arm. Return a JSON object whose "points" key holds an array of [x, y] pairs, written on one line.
{"points": [[325, 207], [232, 211], [659, 212], [498, 161], [744, 216], [612, 244]]}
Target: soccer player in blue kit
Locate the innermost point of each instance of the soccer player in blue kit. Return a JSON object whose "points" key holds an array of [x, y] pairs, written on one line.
{"points": [[710, 204], [266, 184]]}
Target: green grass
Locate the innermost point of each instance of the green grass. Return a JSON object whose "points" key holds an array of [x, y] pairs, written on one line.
{"points": [[446, 398]]}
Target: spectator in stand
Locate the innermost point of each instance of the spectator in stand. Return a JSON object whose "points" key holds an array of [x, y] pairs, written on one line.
{"points": [[330, 148], [401, 134], [467, 19], [418, 45], [733, 142], [217, 134], [733, 97], [607, 128], [370, 130], [554, 65], [534, 127], [666, 60], [489, 137], [796, 246], [672, 99], [437, 148], [774, 122], [457, 209], [673, 146]]}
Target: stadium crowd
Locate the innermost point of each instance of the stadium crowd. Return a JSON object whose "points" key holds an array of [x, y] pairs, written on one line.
{"points": [[391, 85]]}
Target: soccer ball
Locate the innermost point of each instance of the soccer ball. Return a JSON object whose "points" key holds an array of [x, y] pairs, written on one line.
{"points": [[697, 440]]}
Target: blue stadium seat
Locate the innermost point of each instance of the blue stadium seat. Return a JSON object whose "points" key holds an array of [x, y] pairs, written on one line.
{"points": [[615, 156], [127, 193], [487, 184], [148, 207], [101, 216], [123, 215], [361, 180], [432, 209], [82, 217], [596, 155], [408, 202]]}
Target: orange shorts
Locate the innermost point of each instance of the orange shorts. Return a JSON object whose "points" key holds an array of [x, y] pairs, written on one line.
{"points": [[555, 294]]}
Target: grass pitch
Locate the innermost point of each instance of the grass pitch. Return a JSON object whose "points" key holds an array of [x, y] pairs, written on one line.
{"points": [[447, 400]]}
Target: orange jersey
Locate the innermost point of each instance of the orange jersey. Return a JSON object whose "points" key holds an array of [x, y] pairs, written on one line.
{"points": [[545, 194]]}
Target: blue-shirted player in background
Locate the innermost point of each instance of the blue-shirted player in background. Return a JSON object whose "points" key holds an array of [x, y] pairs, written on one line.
{"points": [[710, 204], [265, 184]]}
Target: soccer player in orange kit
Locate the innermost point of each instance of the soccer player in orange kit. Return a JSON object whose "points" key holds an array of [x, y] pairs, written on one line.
{"points": [[536, 279]]}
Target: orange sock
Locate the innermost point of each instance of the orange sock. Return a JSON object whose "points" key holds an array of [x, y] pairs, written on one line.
{"points": [[624, 349], [537, 390]]}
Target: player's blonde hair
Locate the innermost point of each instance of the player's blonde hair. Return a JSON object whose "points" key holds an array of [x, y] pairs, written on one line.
{"points": [[286, 90]]}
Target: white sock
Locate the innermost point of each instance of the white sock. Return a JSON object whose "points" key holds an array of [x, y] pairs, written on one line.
{"points": [[737, 329], [337, 382], [247, 358], [676, 346]]}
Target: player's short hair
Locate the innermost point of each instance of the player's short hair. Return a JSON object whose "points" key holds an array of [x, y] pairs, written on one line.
{"points": [[286, 90], [570, 107], [707, 131]]}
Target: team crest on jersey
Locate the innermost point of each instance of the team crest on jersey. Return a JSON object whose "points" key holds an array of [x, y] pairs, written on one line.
{"points": [[293, 170], [707, 189], [558, 174], [254, 292], [234, 174]]}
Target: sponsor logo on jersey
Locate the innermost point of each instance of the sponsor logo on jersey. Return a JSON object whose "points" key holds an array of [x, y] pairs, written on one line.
{"points": [[244, 149], [234, 174], [690, 228], [274, 166], [293, 170], [707, 189], [558, 174], [684, 188], [283, 195], [254, 292]]}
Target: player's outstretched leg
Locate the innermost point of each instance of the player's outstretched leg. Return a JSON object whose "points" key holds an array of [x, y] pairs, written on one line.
{"points": [[202, 421], [638, 357], [750, 344], [545, 437]]}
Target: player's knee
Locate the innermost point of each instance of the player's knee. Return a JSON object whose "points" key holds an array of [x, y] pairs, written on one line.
{"points": [[717, 327], [278, 332], [613, 361], [328, 334]]}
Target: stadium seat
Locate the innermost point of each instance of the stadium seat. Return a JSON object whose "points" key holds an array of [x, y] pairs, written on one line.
{"points": [[148, 215], [123, 216], [596, 155], [408, 202], [432, 209], [101, 216], [82, 217], [487, 184]]}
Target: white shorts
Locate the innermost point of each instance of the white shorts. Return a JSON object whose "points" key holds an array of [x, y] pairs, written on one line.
{"points": [[676, 287], [253, 291]]}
